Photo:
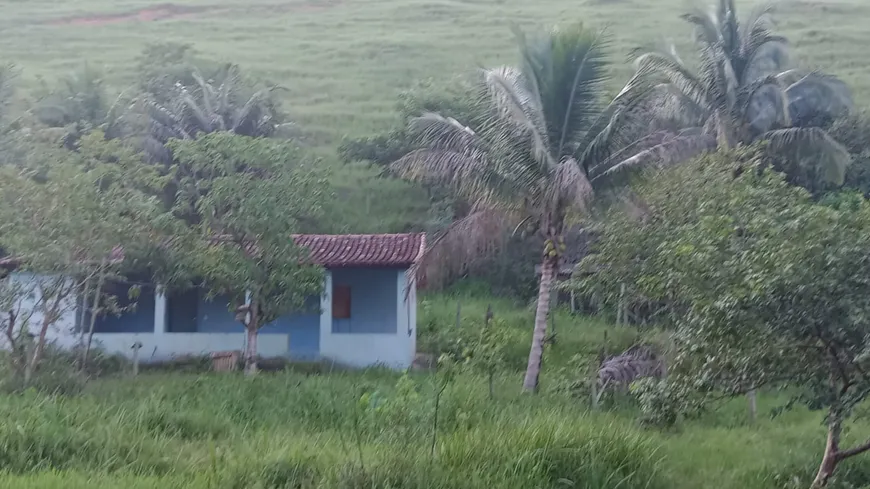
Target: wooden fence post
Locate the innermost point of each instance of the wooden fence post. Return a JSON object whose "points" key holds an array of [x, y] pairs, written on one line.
{"points": [[136, 347]]}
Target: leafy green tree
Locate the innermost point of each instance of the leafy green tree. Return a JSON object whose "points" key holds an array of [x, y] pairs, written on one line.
{"points": [[772, 286], [743, 92], [253, 194], [541, 144], [67, 220]]}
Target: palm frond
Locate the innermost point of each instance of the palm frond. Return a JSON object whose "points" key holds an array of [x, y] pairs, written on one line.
{"points": [[515, 105], [464, 244], [675, 73], [204, 122], [707, 26], [240, 118], [763, 104], [813, 145], [671, 150], [570, 186], [571, 82], [207, 93], [453, 154], [816, 95]]}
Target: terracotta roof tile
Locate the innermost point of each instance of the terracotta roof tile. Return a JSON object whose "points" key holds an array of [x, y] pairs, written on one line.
{"points": [[363, 250], [334, 251]]}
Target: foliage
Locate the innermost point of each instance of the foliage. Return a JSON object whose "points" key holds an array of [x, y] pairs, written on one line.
{"points": [[163, 65], [454, 98], [854, 133], [661, 402], [252, 195], [772, 283], [222, 103], [540, 142], [743, 92], [79, 104], [66, 220]]}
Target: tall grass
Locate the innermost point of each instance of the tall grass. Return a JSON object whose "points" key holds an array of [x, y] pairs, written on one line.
{"points": [[373, 429]]}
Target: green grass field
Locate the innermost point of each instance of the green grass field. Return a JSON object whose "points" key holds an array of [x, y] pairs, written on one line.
{"points": [[345, 61], [373, 429]]}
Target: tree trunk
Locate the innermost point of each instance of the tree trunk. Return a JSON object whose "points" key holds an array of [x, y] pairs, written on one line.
{"points": [[48, 319], [832, 454], [251, 352], [723, 136], [536, 355], [95, 311]]}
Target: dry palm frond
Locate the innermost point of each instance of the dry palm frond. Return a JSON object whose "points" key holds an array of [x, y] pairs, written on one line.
{"points": [[637, 362], [814, 146], [661, 149], [463, 244], [571, 184]]}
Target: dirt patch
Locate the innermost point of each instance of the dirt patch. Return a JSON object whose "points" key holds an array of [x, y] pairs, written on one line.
{"points": [[169, 11], [163, 11]]}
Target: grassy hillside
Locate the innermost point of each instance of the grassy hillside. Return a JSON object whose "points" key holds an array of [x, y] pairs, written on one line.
{"points": [[374, 430], [344, 61]]}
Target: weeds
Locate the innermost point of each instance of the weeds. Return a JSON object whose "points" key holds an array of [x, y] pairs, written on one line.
{"points": [[374, 430]]}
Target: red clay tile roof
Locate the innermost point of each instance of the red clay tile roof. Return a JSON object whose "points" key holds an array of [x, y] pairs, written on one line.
{"points": [[335, 250], [363, 250]]}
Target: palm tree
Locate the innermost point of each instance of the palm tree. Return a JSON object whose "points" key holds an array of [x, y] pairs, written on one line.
{"points": [[79, 104], [542, 143], [226, 103], [206, 107], [742, 91]]}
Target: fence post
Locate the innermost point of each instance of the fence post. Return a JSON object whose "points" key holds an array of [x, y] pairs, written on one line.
{"points": [[136, 347]]}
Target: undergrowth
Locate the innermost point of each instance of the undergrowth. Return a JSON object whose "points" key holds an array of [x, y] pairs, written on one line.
{"points": [[374, 429]]}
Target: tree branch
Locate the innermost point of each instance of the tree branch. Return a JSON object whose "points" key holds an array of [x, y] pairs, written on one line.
{"points": [[844, 454]]}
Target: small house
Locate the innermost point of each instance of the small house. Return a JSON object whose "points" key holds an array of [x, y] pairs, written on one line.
{"points": [[365, 317]]}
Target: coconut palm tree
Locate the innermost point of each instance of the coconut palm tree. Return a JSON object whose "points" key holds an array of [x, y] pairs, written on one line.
{"points": [[742, 91], [542, 142], [209, 106], [79, 103]]}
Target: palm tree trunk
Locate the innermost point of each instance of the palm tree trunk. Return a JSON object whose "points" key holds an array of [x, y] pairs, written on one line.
{"points": [[533, 370]]}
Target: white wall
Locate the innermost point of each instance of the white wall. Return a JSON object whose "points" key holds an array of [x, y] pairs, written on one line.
{"points": [[364, 350], [158, 347], [30, 308], [357, 350]]}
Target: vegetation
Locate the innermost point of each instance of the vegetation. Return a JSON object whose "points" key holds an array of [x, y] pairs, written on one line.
{"points": [[70, 218], [304, 428], [246, 216], [538, 147], [743, 92], [766, 286], [740, 282]]}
